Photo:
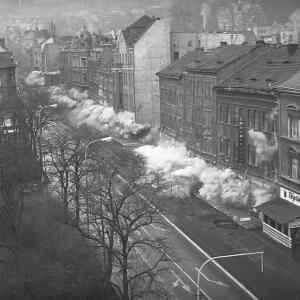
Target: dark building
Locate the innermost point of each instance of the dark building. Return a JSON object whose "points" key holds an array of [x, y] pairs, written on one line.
{"points": [[105, 77], [281, 217], [16, 147], [246, 120], [188, 97], [74, 67]]}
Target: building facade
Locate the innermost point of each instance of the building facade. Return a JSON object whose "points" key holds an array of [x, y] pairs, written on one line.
{"points": [[188, 96], [144, 49], [281, 218], [74, 67], [105, 77]]}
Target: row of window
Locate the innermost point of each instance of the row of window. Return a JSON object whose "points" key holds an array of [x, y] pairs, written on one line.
{"points": [[257, 120], [128, 78]]}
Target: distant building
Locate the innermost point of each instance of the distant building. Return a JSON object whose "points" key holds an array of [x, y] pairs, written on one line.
{"points": [[144, 49], [277, 33], [105, 77], [12, 127], [183, 42], [74, 67], [188, 97]]}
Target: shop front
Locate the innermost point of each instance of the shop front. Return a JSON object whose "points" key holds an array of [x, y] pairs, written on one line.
{"points": [[281, 219]]}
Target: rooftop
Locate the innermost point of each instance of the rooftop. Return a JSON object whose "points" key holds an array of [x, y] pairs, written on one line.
{"points": [[211, 61], [292, 84], [274, 66], [280, 210], [135, 31]]}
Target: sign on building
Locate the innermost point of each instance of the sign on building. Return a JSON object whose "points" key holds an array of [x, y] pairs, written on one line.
{"points": [[290, 196]]}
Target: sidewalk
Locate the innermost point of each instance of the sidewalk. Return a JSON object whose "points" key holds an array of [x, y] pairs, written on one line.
{"points": [[217, 234]]}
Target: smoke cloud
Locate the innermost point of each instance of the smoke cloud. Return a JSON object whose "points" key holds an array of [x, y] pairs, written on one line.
{"points": [[59, 96], [181, 170], [35, 78], [264, 150]]}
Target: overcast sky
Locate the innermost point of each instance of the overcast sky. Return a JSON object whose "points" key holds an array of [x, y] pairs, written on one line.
{"points": [[274, 9]]}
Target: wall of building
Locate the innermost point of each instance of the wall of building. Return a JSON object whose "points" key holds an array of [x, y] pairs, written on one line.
{"points": [[171, 106], [199, 113], [182, 43], [50, 57], [289, 143], [237, 113], [151, 54]]}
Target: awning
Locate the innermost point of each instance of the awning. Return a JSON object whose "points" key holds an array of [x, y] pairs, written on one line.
{"points": [[280, 210]]}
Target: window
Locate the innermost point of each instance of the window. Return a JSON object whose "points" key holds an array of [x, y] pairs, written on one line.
{"points": [[225, 148], [83, 62], [175, 55], [252, 157], [294, 127], [264, 121], [190, 43], [295, 168]]}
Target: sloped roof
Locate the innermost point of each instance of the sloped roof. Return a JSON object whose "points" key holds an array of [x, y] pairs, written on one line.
{"points": [[178, 67], [291, 85], [212, 61], [280, 210], [218, 58], [276, 65], [135, 31]]}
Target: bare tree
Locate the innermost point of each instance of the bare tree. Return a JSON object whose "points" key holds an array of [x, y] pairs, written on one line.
{"points": [[119, 218]]}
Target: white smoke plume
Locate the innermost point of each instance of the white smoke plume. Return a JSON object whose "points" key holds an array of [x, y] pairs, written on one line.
{"points": [[264, 150], [180, 170], [35, 78], [59, 95], [102, 117], [274, 113]]}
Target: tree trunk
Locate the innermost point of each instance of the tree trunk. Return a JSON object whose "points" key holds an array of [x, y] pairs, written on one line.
{"points": [[125, 277], [77, 193]]}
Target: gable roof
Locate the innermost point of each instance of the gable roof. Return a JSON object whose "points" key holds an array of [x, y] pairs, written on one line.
{"points": [[135, 31], [278, 64], [207, 62]]}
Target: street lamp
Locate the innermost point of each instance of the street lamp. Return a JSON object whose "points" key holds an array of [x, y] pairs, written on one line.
{"points": [[106, 139], [199, 270]]}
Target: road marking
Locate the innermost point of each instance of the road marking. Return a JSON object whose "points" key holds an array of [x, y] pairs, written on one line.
{"points": [[236, 281], [179, 282], [181, 269]]}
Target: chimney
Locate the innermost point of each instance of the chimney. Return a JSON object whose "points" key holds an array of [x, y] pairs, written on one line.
{"points": [[292, 48], [2, 42]]}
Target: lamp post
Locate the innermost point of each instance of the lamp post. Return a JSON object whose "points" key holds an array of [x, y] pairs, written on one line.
{"points": [[106, 139], [199, 270]]}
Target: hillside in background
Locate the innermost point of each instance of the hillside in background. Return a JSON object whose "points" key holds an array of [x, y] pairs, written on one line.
{"points": [[187, 14]]}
